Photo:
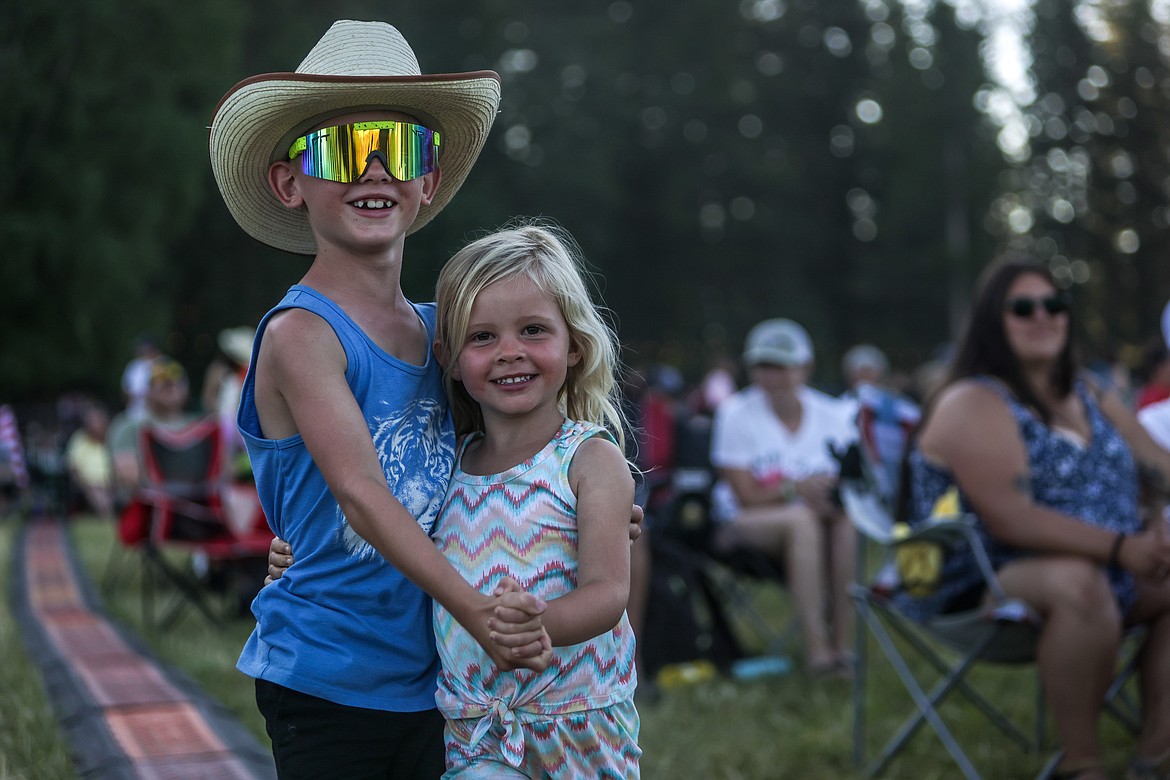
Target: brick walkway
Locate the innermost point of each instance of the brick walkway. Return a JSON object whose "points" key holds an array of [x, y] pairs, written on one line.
{"points": [[123, 714]]}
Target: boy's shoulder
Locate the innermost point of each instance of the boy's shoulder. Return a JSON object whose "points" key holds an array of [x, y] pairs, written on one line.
{"points": [[309, 329], [300, 342], [318, 295]]}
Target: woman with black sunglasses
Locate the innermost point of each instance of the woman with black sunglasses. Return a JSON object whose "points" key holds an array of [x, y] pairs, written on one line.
{"points": [[1049, 463]]}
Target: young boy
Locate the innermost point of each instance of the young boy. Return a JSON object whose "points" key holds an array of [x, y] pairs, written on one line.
{"points": [[343, 410]]}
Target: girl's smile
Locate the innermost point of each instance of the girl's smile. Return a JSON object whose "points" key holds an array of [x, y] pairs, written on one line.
{"points": [[517, 351]]}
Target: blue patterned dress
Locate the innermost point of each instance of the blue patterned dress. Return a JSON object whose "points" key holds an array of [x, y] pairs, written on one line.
{"points": [[1096, 483]]}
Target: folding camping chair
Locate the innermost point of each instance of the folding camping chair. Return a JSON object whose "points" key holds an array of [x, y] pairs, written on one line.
{"points": [[189, 507], [1002, 631]]}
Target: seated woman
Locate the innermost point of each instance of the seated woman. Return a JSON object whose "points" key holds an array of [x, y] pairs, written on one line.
{"points": [[771, 443], [1049, 464]]}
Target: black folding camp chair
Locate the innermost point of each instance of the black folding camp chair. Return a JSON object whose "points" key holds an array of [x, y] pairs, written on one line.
{"points": [[742, 579]]}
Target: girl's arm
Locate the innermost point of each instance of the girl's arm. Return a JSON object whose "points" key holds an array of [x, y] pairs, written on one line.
{"points": [[301, 374], [600, 478], [972, 433]]}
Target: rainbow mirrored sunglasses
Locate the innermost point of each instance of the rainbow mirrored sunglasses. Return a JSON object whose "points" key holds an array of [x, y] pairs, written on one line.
{"points": [[342, 153]]}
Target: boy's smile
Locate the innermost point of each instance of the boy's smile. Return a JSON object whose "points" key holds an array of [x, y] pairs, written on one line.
{"points": [[371, 203]]}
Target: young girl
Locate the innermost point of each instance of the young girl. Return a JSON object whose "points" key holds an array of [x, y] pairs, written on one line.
{"points": [[540, 493]]}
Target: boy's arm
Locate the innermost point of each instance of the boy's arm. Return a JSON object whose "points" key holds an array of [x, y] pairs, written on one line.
{"points": [[280, 554], [301, 378], [600, 478]]}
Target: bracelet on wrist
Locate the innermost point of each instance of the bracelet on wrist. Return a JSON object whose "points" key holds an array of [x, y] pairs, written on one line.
{"points": [[1115, 550]]}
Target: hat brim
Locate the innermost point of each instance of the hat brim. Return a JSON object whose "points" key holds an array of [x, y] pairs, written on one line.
{"points": [[758, 355], [260, 113], [237, 344]]}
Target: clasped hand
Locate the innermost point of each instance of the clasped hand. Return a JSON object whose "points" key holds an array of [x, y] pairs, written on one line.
{"points": [[508, 625], [1147, 555], [516, 636], [816, 492]]}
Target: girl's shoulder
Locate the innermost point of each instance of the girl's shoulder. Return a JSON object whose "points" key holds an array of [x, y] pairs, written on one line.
{"points": [[575, 432], [588, 440], [598, 458]]}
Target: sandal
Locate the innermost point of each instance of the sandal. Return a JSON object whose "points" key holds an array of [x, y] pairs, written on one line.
{"points": [[847, 664], [1142, 768], [822, 670], [833, 669]]}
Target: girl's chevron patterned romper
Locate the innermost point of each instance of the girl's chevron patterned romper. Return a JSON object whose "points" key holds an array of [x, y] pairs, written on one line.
{"points": [[575, 719]]}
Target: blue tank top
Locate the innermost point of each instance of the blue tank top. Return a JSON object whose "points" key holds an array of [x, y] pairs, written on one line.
{"points": [[342, 624]]}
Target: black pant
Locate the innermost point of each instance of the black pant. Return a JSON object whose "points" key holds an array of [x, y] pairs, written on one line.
{"points": [[313, 738]]}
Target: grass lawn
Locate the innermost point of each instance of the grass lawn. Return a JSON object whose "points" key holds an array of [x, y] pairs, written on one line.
{"points": [[780, 727], [31, 745]]}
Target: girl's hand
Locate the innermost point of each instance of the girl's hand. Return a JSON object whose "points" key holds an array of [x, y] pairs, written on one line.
{"points": [[279, 559]]}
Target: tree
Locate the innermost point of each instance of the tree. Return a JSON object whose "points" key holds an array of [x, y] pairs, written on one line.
{"points": [[938, 163], [1128, 191], [719, 164], [103, 151]]}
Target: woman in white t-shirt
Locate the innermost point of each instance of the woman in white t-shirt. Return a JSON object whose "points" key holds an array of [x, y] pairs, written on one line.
{"points": [[771, 445]]}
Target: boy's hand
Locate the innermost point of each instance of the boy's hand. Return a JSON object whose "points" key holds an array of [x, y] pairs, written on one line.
{"points": [[279, 559], [636, 517], [517, 637]]}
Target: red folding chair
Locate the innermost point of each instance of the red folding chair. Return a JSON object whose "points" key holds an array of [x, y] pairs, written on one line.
{"points": [[198, 532]]}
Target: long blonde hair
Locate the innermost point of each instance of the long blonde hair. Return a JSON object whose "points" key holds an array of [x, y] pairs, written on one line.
{"points": [[548, 256]]}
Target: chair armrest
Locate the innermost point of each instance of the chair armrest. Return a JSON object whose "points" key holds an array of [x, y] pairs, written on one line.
{"points": [[948, 531], [188, 506], [871, 517]]}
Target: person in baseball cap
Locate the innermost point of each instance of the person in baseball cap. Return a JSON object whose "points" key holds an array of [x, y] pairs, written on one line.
{"points": [[778, 342], [777, 476]]}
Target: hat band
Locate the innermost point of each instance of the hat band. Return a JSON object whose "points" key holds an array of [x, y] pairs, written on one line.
{"points": [[342, 153]]}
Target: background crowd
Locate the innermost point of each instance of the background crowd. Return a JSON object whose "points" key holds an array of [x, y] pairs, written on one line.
{"points": [[1082, 166], [760, 426]]}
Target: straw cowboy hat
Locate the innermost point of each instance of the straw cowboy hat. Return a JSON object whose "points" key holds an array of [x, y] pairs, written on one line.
{"points": [[356, 66]]}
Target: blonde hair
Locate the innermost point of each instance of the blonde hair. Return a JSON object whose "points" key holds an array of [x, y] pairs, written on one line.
{"points": [[549, 257]]}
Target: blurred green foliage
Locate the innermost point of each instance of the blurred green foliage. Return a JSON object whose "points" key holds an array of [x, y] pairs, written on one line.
{"points": [[719, 163]]}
